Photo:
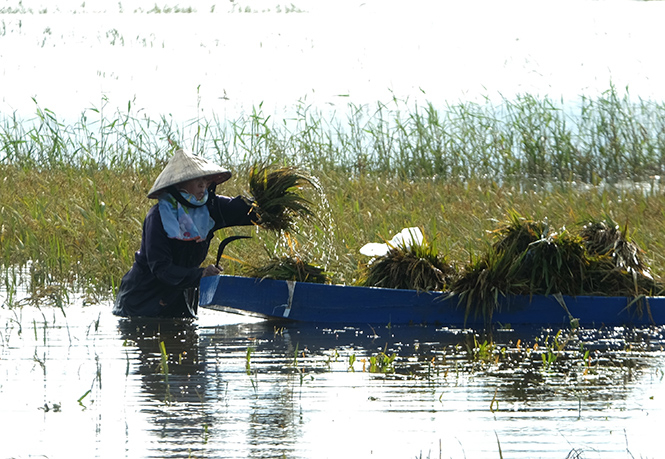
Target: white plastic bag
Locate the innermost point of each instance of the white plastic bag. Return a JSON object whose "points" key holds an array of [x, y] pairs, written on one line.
{"points": [[408, 237]]}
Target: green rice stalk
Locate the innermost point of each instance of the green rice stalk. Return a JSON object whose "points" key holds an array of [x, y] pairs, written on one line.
{"points": [[278, 197]]}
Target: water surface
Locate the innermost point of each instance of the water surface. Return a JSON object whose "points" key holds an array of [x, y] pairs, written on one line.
{"points": [[81, 379], [220, 62]]}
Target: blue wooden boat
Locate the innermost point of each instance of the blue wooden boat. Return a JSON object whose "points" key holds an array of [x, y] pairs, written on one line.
{"points": [[340, 304]]}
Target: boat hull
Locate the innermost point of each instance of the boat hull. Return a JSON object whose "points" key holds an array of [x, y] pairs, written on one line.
{"points": [[339, 304]]}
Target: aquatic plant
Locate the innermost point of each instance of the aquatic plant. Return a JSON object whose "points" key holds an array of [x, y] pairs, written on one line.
{"points": [[248, 369], [526, 139], [164, 369], [352, 361], [482, 352], [382, 362]]}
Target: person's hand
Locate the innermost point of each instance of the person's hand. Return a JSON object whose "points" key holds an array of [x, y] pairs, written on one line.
{"points": [[211, 270]]}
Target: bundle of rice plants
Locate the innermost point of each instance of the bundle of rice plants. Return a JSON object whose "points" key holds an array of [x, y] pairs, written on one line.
{"points": [[289, 268], [514, 236], [556, 263], [603, 237], [624, 270], [498, 272], [605, 278], [278, 196], [529, 259], [483, 282], [409, 266], [599, 236]]}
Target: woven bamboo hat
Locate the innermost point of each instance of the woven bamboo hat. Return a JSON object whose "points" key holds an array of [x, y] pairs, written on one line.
{"points": [[184, 166]]}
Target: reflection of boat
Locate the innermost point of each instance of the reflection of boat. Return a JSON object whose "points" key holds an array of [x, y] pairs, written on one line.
{"points": [[308, 302]]}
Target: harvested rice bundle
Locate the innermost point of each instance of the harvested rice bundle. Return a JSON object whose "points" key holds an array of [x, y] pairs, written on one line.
{"points": [[603, 277], [619, 267], [514, 237], [556, 263], [482, 282], [600, 235], [497, 273], [529, 259], [278, 196], [289, 268], [603, 237], [411, 263]]}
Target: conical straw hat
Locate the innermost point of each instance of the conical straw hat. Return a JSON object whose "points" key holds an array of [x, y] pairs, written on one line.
{"points": [[184, 166]]}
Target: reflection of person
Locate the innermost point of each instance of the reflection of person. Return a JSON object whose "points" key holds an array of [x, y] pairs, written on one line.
{"points": [[164, 280]]}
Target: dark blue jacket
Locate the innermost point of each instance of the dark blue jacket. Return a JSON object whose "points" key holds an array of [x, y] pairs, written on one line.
{"points": [[164, 279]]}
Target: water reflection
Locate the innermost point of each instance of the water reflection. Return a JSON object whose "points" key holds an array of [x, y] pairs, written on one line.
{"points": [[173, 379]]}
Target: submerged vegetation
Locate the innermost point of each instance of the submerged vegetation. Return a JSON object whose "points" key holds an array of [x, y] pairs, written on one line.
{"points": [[72, 196]]}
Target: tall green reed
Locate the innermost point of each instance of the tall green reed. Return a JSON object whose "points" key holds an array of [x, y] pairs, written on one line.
{"points": [[609, 138]]}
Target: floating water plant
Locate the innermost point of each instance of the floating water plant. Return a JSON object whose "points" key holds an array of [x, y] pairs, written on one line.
{"points": [[278, 196]]}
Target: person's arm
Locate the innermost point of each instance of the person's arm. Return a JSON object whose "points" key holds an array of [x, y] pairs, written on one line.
{"points": [[232, 212], [160, 257]]}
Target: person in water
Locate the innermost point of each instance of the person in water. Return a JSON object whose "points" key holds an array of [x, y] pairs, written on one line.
{"points": [[165, 276]]}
